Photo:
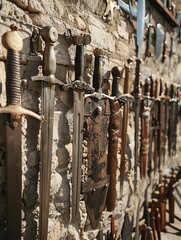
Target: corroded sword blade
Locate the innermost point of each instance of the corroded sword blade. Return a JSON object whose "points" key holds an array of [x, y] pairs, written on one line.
{"points": [[79, 88], [13, 110], [48, 81], [97, 113], [124, 138]]}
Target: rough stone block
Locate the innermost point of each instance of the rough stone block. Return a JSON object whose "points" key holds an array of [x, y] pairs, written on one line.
{"points": [[102, 39]]}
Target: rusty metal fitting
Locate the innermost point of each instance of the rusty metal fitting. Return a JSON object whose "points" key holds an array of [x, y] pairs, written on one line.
{"points": [[98, 52], [78, 40]]}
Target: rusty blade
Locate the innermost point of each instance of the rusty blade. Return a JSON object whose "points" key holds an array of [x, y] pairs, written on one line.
{"points": [[97, 112], [13, 174], [13, 110], [95, 197]]}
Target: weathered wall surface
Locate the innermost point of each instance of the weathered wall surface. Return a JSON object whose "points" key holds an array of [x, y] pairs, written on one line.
{"points": [[117, 38]]}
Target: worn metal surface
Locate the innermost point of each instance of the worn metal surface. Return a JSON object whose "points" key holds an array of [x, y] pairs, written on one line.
{"points": [[79, 88], [137, 96], [48, 81], [127, 8], [97, 113], [145, 127], [95, 189], [150, 31], [160, 36], [13, 110], [140, 26], [112, 164], [124, 137], [13, 174]]}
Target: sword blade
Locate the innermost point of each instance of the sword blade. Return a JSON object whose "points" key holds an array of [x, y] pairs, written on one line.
{"points": [[48, 94], [137, 129], [77, 151], [13, 158], [140, 26]]}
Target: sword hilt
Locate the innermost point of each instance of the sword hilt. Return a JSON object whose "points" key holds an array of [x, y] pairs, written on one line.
{"points": [[97, 75], [14, 45], [80, 41], [50, 36], [79, 84]]}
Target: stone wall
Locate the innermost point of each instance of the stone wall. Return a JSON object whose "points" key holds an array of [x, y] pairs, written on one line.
{"points": [[117, 37]]}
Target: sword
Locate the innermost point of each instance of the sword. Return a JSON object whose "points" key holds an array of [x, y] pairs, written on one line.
{"points": [[13, 110], [79, 89], [137, 92], [48, 81], [112, 161], [97, 112], [125, 123]]}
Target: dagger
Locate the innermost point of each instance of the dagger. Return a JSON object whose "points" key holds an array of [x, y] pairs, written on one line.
{"points": [[145, 127], [136, 91], [48, 81], [13, 110], [124, 138]]}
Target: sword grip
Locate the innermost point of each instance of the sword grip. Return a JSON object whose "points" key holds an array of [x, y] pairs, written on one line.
{"points": [[79, 57], [14, 45], [97, 75], [147, 87], [137, 79], [127, 76], [116, 77], [50, 36], [79, 62]]}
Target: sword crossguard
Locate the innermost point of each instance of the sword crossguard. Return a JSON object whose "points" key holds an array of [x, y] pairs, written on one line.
{"points": [[16, 113], [125, 99], [79, 86]]}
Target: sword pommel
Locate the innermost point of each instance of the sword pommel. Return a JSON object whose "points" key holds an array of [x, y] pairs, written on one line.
{"points": [[11, 40], [129, 61], [49, 34], [98, 52], [81, 39], [78, 40], [87, 39]]}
